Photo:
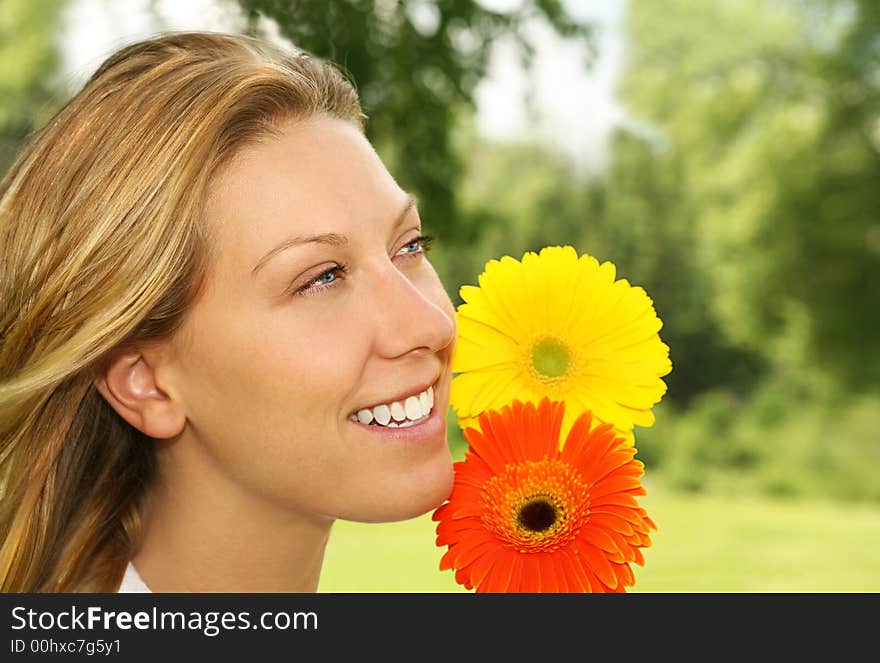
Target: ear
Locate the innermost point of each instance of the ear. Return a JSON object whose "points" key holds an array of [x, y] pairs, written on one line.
{"points": [[128, 383]]}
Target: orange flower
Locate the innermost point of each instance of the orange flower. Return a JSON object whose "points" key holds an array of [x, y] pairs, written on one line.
{"points": [[524, 516]]}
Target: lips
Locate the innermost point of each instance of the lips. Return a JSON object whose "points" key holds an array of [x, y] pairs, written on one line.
{"points": [[432, 427]]}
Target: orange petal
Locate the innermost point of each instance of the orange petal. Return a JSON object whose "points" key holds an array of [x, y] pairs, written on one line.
{"points": [[621, 576], [550, 415], [597, 585], [520, 421], [468, 554], [614, 484], [549, 579], [516, 570], [607, 464], [465, 510], [487, 449], [561, 572], [498, 579], [625, 575], [598, 538], [575, 569], [577, 439], [600, 442], [639, 557], [481, 568], [496, 434], [474, 471], [623, 546], [452, 531], [619, 499], [610, 521], [462, 577], [446, 560], [630, 515], [520, 427], [531, 573], [597, 562]]}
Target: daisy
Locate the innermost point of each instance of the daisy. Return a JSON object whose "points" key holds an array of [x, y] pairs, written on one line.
{"points": [[560, 326], [525, 516]]}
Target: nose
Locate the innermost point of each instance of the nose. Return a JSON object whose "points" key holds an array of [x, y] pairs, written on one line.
{"points": [[411, 313]]}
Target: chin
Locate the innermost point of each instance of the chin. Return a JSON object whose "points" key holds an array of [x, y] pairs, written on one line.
{"points": [[429, 495], [416, 495]]}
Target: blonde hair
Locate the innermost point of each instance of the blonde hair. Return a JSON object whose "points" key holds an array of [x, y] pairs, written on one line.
{"points": [[103, 247]]}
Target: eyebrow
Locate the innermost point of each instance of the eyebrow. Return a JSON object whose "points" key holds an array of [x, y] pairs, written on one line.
{"points": [[331, 239]]}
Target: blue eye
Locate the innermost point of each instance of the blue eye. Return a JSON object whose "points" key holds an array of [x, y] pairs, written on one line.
{"points": [[424, 241], [321, 283]]}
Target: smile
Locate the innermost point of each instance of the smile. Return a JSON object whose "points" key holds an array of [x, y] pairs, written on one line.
{"points": [[403, 413]]}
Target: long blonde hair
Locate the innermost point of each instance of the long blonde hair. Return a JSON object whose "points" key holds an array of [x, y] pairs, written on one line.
{"points": [[103, 247]]}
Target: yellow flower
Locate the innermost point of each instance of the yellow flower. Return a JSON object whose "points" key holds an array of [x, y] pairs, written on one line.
{"points": [[560, 326]]}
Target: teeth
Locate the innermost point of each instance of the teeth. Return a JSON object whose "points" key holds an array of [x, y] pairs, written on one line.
{"points": [[413, 410], [397, 411], [382, 414], [407, 424]]}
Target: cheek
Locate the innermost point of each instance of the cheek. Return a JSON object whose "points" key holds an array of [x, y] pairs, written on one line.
{"points": [[271, 373], [294, 368], [267, 395]]}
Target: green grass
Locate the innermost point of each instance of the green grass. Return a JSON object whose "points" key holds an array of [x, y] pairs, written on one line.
{"points": [[705, 543]]}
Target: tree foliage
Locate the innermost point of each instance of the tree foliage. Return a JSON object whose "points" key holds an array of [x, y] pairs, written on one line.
{"points": [[27, 58], [416, 64], [768, 112], [742, 192], [739, 194]]}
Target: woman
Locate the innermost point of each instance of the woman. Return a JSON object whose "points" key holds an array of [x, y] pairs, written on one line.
{"points": [[216, 308]]}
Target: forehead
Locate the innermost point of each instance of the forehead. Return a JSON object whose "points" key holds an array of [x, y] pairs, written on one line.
{"points": [[315, 175]]}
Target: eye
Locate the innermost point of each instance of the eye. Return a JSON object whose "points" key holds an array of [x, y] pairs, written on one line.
{"points": [[422, 243], [321, 282]]}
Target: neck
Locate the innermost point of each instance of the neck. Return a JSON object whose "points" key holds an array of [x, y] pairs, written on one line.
{"points": [[211, 535]]}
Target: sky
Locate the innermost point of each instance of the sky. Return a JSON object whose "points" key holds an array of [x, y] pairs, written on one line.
{"points": [[575, 107]]}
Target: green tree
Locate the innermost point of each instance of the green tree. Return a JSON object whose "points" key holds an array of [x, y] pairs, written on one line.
{"points": [[640, 218], [518, 196], [823, 225], [416, 64], [768, 110], [27, 59], [750, 171]]}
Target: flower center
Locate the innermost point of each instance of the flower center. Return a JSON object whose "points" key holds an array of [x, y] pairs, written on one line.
{"points": [[550, 358], [538, 514], [535, 505]]}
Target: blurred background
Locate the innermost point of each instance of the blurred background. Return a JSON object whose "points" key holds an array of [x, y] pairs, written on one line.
{"points": [[724, 155]]}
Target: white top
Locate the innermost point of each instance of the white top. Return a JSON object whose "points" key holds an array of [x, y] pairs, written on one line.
{"points": [[132, 583]]}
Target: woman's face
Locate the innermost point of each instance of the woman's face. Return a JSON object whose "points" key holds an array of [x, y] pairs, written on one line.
{"points": [[284, 346]]}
